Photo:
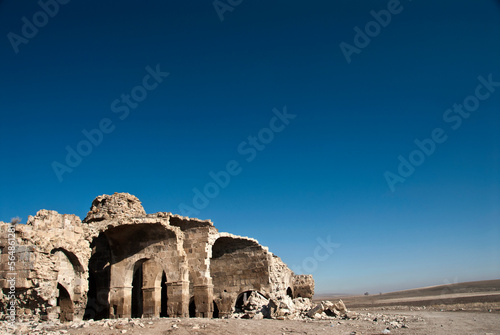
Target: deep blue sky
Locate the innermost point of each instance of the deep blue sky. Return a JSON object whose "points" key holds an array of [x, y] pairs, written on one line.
{"points": [[321, 177]]}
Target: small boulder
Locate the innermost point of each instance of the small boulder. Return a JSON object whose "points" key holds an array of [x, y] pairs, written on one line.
{"points": [[319, 308]]}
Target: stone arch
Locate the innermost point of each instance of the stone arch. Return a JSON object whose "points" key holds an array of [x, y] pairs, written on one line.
{"points": [[238, 264], [66, 273], [99, 268], [70, 273], [149, 247], [289, 292], [242, 298], [149, 295], [137, 295], [215, 314], [192, 307], [65, 304], [158, 248], [163, 295], [77, 266], [153, 275]]}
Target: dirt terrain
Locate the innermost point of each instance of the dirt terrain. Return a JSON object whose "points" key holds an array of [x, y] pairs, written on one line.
{"points": [[479, 295], [466, 308], [415, 322]]}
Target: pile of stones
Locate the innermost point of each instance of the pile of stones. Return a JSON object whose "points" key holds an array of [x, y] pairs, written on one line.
{"points": [[258, 306]]}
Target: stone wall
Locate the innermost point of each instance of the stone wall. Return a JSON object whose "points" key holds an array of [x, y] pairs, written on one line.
{"points": [[303, 286], [52, 253], [238, 265], [121, 262]]}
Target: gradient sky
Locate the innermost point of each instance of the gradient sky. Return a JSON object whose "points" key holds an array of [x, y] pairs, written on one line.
{"points": [[321, 177]]}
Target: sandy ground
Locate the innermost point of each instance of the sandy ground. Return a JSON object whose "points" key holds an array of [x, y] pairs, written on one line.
{"points": [[466, 308], [416, 322]]}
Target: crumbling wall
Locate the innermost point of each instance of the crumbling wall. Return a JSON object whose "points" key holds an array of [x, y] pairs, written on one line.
{"points": [[238, 264], [52, 252], [281, 278], [303, 286], [16, 263], [118, 205]]}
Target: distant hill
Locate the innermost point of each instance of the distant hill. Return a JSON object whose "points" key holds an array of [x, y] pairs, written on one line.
{"points": [[469, 292]]}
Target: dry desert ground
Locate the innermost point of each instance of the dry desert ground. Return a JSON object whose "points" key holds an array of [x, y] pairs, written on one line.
{"points": [[466, 308]]}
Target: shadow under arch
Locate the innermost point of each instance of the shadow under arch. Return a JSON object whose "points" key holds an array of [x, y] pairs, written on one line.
{"points": [[242, 298], [129, 239], [192, 308], [77, 266], [215, 314], [99, 279], [137, 286], [65, 304], [163, 295]]}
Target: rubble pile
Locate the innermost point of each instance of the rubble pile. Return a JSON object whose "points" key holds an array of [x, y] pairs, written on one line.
{"points": [[258, 306], [391, 321], [55, 327]]}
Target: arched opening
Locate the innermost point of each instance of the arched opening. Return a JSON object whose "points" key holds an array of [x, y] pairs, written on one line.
{"points": [[137, 295], [241, 300], [289, 292], [65, 304], [99, 278], [77, 266], [215, 314], [239, 255], [192, 308], [164, 297]]}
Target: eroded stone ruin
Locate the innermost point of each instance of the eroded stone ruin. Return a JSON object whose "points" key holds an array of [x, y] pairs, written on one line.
{"points": [[121, 262]]}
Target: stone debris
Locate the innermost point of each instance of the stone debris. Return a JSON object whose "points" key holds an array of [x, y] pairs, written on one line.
{"points": [[258, 306], [296, 309], [54, 327], [390, 321]]}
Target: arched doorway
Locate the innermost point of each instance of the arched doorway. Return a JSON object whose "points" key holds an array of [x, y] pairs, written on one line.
{"points": [[241, 300], [289, 292], [215, 314], [99, 278], [65, 304], [137, 295], [164, 297], [192, 308]]}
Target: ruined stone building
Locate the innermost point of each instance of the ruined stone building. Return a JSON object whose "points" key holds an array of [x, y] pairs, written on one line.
{"points": [[121, 262]]}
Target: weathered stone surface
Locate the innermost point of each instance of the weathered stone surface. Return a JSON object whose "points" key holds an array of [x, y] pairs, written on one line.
{"points": [[286, 308], [116, 205], [304, 286], [121, 262], [319, 308]]}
